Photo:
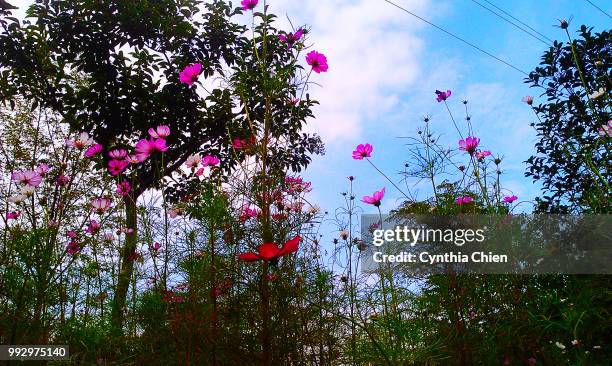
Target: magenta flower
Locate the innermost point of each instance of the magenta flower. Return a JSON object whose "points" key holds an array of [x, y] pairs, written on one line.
{"points": [[527, 99], [318, 61], [155, 247], [93, 150], [249, 4], [362, 151], [375, 198], [605, 130], [73, 248], [248, 212], [71, 234], [239, 144], [62, 180], [442, 96], [100, 205], [160, 132], [42, 169], [190, 74], [93, 227], [123, 188], [482, 154], [210, 160], [464, 200], [290, 38], [144, 148], [13, 215], [118, 154], [510, 199], [116, 167], [199, 172], [27, 178], [469, 144]]}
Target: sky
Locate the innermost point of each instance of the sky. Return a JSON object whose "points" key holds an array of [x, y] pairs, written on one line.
{"points": [[384, 66]]}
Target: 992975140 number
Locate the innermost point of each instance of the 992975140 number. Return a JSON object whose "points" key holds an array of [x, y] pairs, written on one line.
{"points": [[33, 352]]}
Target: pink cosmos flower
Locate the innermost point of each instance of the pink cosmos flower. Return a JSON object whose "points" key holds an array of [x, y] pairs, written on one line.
{"points": [[144, 148], [27, 178], [527, 99], [116, 167], [375, 198], [362, 151], [318, 61], [160, 132], [42, 169], [100, 204], [81, 142], [93, 150], [93, 227], [13, 215], [469, 144], [199, 172], [510, 199], [62, 180], [190, 74], [123, 188], [442, 96], [296, 185], [118, 154], [248, 213], [290, 39], [210, 160], [71, 234], [464, 200], [482, 154], [193, 161], [249, 4]]}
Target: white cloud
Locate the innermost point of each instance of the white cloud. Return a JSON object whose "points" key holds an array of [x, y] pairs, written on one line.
{"points": [[373, 54]]}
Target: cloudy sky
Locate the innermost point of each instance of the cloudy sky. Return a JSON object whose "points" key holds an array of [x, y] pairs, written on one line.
{"points": [[386, 64]]}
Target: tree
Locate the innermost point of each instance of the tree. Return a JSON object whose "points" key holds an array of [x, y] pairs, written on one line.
{"points": [[572, 159], [111, 69]]}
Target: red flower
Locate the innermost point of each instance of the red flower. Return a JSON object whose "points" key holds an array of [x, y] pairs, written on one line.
{"points": [[270, 251]]}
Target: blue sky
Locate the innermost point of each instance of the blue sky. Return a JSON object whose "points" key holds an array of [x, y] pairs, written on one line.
{"points": [[385, 66]]}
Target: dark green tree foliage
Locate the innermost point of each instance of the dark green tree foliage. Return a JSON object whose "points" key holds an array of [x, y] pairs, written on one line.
{"points": [[111, 69], [572, 162]]}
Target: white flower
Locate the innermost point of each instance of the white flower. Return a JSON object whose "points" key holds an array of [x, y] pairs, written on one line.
{"points": [[17, 198], [314, 210], [193, 160], [27, 190], [597, 93], [560, 345], [574, 342]]}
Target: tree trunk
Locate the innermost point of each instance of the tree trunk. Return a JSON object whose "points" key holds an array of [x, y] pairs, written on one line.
{"points": [[127, 265]]}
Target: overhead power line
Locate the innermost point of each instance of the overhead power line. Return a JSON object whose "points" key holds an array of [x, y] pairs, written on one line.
{"points": [[511, 22], [600, 9], [457, 37]]}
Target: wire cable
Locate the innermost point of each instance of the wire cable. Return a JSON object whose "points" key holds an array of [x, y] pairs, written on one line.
{"points": [[598, 8], [511, 22], [518, 20], [457, 37]]}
